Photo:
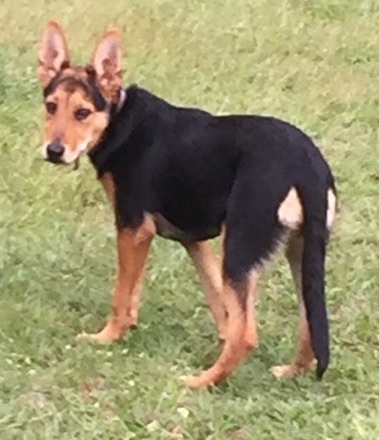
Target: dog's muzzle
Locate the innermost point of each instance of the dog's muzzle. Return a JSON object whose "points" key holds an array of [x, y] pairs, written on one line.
{"points": [[54, 152]]}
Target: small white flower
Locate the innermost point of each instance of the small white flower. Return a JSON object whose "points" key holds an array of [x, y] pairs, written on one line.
{"points": [[153, 426], [183, 412]]}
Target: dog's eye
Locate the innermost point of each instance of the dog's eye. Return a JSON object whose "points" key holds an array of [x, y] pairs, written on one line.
{"points": [[51, 107], [82, 113]]}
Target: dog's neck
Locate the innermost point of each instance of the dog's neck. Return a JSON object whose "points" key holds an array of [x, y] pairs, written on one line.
{"points": [[134, 105], [113, 110], [114, 135]]}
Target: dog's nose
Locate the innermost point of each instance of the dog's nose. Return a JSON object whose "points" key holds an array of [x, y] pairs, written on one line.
{"points": [[55, 151]]}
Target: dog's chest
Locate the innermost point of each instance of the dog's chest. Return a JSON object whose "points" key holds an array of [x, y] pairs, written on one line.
{"points": [[167, 230]]}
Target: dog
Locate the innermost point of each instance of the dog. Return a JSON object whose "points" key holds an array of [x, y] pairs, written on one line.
{"points": [[187, 175]]}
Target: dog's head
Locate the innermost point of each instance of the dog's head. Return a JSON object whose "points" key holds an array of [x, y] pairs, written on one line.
{"points": [[77, 99]]}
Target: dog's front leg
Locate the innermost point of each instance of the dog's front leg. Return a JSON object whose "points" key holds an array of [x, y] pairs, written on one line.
{"points": [[133, 248], [208, 267]]}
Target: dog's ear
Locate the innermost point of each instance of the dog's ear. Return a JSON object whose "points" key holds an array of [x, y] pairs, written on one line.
{"points": [[53, 53], [106, 60]]}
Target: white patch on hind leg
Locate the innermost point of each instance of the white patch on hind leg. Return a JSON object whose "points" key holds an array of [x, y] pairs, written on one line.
{"points": [[332, 209], [290, 212]]}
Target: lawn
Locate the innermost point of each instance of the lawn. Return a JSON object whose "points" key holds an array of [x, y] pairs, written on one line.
{"points": [[314, 63]]}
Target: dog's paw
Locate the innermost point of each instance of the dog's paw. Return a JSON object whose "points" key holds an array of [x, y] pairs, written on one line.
{"points": [[98, 338], [192, 381], [284, 371], [196, 382]]}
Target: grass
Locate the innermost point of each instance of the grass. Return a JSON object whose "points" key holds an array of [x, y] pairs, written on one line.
{"points": [[313, 63]]}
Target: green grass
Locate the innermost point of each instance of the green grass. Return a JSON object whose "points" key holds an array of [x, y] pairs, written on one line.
{"points": [[314, 63]]}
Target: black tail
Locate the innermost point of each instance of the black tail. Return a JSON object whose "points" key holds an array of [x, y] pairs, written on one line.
{"points": [[316, 234]]}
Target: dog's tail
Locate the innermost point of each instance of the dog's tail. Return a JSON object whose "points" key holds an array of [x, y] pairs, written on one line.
{"points": [[316, 235]]}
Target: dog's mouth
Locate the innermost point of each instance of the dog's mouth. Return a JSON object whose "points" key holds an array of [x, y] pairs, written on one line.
{"points": [[75, 163], [58, 154], [55, 161], [60, 160]]}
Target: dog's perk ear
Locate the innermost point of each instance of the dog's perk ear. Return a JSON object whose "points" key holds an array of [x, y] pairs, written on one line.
{"points": [[53, 53], [106, 60]]}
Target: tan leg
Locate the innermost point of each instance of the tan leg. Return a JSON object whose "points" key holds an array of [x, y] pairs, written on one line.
{"points": [[208, 267], [242, 334], [136, 296], [305, 355], [133, 247]]}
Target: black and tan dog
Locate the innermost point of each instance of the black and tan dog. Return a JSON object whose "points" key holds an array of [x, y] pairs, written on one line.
{"points": [[187, 175]]}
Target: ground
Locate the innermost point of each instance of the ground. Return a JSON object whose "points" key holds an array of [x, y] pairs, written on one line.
{"points": [[315, 64]]}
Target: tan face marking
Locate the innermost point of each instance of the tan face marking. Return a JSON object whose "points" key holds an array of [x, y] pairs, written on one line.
{"points": [[64, 121], [66, 134]]}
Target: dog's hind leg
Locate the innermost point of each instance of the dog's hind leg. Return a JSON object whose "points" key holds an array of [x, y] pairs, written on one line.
{"points": [[208, 267], [242, 333], [251, 236], [294, 253], [305, 356], [133, 247]]}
